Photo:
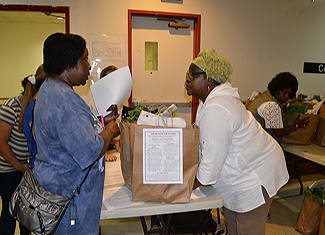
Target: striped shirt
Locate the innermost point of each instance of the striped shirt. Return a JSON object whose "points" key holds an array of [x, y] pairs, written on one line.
{"points": [[9, 113]]}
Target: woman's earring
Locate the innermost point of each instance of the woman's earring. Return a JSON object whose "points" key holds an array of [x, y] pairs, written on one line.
{"points": [[209, 89]]}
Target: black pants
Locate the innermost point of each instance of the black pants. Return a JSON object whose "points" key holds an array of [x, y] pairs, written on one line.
{"points": [[8, 184]]}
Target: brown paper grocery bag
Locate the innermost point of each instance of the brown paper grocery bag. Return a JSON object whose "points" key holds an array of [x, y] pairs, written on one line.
{"points": [[126, 154], [320, 133], [303, 136], [132, 161], [322, 223], [309, 217], [321, 111]]}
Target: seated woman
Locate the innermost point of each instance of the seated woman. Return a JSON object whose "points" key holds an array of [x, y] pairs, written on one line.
{"points": [[268, 107]]}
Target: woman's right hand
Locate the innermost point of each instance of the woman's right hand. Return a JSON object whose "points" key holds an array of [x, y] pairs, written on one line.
{"points": [[113, 127], [23, 167], [302, 123], [110, 132], [112, 115]]}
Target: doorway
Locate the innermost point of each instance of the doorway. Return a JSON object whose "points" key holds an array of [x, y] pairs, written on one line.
{"points": [[23, 30], [195, 22]]}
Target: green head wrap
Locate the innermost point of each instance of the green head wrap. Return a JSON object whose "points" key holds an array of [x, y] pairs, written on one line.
{"points": [[214, 65]]}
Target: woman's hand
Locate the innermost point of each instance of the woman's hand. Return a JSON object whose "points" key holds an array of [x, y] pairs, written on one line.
{"points": [[301, 123], [23, 167], [110, 117], [112, 114], [110, 132], [113, 128]]}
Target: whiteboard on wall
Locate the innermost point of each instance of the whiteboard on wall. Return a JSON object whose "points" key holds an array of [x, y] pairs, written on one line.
{"points": [[175, 53], [106, 50]]}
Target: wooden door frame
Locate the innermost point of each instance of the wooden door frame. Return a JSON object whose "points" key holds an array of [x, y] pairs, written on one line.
{"points": [[39, 8], [196, 40]]}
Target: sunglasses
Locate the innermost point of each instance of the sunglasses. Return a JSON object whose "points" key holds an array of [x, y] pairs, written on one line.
{"points": [[191, 76]]}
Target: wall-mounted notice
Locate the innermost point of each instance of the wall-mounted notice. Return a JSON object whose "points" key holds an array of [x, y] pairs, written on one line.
{"points": [[162, 156], [311, 67], [105, 50], [107, 47]]}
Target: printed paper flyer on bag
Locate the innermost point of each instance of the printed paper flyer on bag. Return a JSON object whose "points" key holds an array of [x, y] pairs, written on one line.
{"points": [[162, 156]]}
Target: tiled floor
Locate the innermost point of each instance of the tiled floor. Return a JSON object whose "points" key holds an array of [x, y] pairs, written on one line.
{"points": [[284, 212]]}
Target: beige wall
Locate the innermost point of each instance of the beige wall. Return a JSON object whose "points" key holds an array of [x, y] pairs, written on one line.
{"points": [[21, 53], [259, 37]]}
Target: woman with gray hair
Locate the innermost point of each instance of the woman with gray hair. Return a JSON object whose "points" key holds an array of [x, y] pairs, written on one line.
{"points": [[237, 157]]}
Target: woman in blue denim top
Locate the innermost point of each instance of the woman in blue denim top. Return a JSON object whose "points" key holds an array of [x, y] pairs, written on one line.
{"points": [[69, 137]]}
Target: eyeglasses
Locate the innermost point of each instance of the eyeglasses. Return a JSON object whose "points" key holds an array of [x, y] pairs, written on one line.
{"points": [[191, 76]]}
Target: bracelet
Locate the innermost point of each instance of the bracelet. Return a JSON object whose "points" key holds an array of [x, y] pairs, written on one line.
{"points": [[296, 125]]}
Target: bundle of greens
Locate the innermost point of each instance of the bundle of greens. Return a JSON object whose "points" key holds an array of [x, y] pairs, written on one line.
{"points": [[296, 108], [300, 106], [317, 194], [134, 114], [318, 98], [303, 98]]}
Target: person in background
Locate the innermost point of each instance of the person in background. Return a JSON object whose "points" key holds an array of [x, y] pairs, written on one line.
{"points": [[268, 106], [69, 137], [13, 159], [26, 114], [111, 157], [237, 157]]}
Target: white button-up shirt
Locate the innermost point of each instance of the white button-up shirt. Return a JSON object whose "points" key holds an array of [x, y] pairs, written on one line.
{"points": [[237, 156]]}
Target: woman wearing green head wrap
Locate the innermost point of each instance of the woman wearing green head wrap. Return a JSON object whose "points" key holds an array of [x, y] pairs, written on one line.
{"points": [[237, 157]]}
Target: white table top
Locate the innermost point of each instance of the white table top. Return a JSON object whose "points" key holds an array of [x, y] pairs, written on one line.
{"points": [[310, 152], [114, 183]]}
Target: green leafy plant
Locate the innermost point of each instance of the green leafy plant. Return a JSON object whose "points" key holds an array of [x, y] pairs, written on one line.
{"points": [[302, 97], [316, 97], [296, 108], [134, 114], [316, 194]]}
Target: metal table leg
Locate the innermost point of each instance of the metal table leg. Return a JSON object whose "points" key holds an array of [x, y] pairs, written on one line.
{"points": [[298, 175]]}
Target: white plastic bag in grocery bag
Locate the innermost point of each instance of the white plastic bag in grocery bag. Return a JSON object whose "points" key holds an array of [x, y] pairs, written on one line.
{"points": [[147, 118], [315, 108]]}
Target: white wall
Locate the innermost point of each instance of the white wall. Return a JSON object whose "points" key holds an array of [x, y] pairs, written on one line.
{"points": [[259, 37]]}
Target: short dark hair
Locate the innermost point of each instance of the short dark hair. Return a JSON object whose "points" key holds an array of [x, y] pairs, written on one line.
{"points": [[62, 51], [283, 81], [107, 70]]}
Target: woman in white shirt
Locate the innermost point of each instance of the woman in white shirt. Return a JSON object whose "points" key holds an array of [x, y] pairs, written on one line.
{"points": [[237, 157]]}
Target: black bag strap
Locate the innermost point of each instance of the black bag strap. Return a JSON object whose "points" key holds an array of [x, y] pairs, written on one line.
{"points": [[76, 192]]}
